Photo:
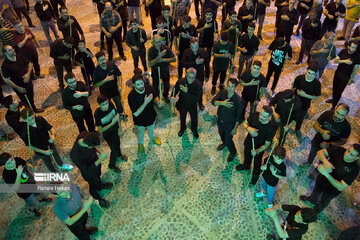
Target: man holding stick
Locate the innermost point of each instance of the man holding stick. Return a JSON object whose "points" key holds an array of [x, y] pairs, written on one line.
{"points": [[136, 39]]}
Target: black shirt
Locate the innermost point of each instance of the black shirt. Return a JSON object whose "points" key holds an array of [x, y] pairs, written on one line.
{"points": [[69, 100], [278, 53], [309, 32], [207, 35], [104, 118], [266, 132], [164, 67], [165, 36], [13, 119], [188, 61], [343, 170], [9, 176], [332, 9], [355, 34], [39, 135], [243, 12], [294, 230], [75, 28], [185, 42], [194, 93], [58, 49], [287, 26], [227, 24], [260, 8], [109, 89], [270, 179], [337, 130], [283, 108], [82, 57], [46, 15], [312, 88], [251, 93], [251, 44], [344, 69], [232, 114], [16, 70], [220, 63], [135, 100], [133, 38]]}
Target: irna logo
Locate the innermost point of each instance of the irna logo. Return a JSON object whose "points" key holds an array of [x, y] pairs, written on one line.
{"points": [[51, 177]]}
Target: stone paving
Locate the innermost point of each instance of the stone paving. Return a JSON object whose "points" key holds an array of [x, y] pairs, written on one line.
{"points": [[183, 189]]}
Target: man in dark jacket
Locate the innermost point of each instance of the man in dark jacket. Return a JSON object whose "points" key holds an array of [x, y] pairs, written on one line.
{"points": [[69, 26], [136, 39], [45, 13]]}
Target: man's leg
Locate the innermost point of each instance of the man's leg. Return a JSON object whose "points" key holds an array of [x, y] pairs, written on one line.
{"points": [[60, 75], [89, 120], [324, 201], [348, 30], [26, 15], [137, 12], [339, 85], [256, 168], [221, 131], [79, 228], [229, 143], [301, 22], [35, 61], [302, 50], [109, 43], [151, 131], [276, 78], [313, 151], [166, 82], [301, 119], [56, 155], [117, 38], [196, 3], [47, 161], [346, 22], [222, 79], [180, 68], [140, 134], [242, 60], [193, 117], [114, 144], [53, 28], [80, 124], [183, 112], [261, 24], [135, 56], [143, 60], [117, 100], [45, 26]]}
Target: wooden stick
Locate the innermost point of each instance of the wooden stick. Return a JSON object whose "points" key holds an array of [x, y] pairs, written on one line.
{"points": [[53, 158], [160, 92], [236, 48], [287, 123], [171, 112], [267, 161], [174, 10], [86, 76], [252, 164], [27, 99]]}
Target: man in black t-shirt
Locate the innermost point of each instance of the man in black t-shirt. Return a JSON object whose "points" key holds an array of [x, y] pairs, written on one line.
{"points": [[190, 92], [233, 26], [75, 99], [348, 60], [333, 11], [141, 103], [108, 123], [107, 77], [332, 130], [208, 29], [69, 26], [164, 33], [136, 39], [308, 88], [260, 6], [296, 222], [338, 169], [86, 156], [84, 57], [253, 83], [17, 72], [17, 174], [303, 7], [12, 115], [246, 15], [261, 130], [288, 18], [183, 34], [42, 139], [229, 113]]}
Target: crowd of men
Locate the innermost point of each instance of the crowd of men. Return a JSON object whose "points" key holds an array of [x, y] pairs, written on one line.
{"points": [[191, 48]]}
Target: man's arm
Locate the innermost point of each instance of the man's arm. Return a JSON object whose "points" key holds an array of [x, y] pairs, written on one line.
{"points": [[112, 123], [339, 185], [12, 84], [78, 27], [105, 80], [73, 219]]}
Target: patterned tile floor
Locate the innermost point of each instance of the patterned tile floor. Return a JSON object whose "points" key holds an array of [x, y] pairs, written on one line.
{"points": [[183, 189]]}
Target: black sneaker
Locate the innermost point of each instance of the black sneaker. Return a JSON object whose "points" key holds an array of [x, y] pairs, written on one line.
{"points": [[36, 212], [107, 185], [241, 167], [103, 203], [181, 132], [341, 38], [298, 62], [220, 147], [213, 90], [196, 134], [259, 37], [329, 100], [45, 200], [306, 200], [92, 230], [230, 157], [202, 107], [123, 157], [115, 169], [124, 58]]}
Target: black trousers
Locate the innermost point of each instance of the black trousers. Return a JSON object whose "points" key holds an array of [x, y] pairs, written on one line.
{"points": [[325, 197], [115, 36], [216, 76], [60, 72], [153, 16], [252, 107], [313, 151], [306, 46], [165, 80], [54, 4], [87, 75], [184, 109], [113, 140], [94, 181], [29, 93], [79, 228], [88, 118], [139, 54], [302, 117], [180, 66], [196, 3], [23, 11], [257, 162], [326, 28], [277, 71], [117, 100], [339, 84], [226, 136], [48, 159], [35, 61]]}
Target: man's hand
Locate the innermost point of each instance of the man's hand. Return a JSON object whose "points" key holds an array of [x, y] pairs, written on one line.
{"points": [[88, 203], [45, 7], [253, 152], [326, 134], [184, 88], [330, 16], [51, 140], [48, 152], [233, 131], [285, 17], [112, 29], [26, 77], [19, 170], [78, 107], [314, 24], [244, 50], [323, 170], [148, 98], [286, 128], [208, 25], [253, 132], [109, 78], [206, 79], [77, 94], [263, 167], [301, 92], [142, 40], [227, 55], [199, 61], [136, 48], [227, 103], [6, 6], [348, 61], [254, 82], [108, 35], [21, 89], [351, 81]]}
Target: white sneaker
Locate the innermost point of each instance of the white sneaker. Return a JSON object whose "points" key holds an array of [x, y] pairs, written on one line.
{"points": [[260, 194], [270, 205], [66, 167]]}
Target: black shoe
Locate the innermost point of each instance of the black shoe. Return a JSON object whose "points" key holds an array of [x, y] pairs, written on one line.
{"points": [[241, 168], [298, 62], [306, 200], [115, 169], [259, 37], [167, 99], [32, 26], [38, 110], [46, 200], [221, 87], [92, 230], [231, 157], [107, 185], [103, 203], [196, 134], [213, 90], [341, 38], [181, 132], [202, 107], [124, 58], [329, 100], [123, 157], [220, 147], [36, 212]]}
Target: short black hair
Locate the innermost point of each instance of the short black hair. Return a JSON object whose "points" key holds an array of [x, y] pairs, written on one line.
{"points": [[166, 7], [25, 112], [356, 146], [345, 106], [70, 40], [268, 109], [138, 71], [82, 41], [102, 98], [233, 81], [225, 36], [133, 20], [4, 157], [187, 19], [99, 54], [8, 100], [62, 8], [312, 67], [69, 75], [208, 10], [252, 25], [232, 12], [92, 139], [280, 151], [288, 93], [309, 215], [257, 63], [160, 20]]}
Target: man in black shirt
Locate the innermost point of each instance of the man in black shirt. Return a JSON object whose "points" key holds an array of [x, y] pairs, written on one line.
{"points": [[338, 169], [69, 26], [332, 130], [303, 7], [136, 39], [190, 92], [230, 108], [260, 6], [308, 88], [197, 58], [107, 77], [12, 115], [84, 58], [141, 103], [183, 34], [310, 34], [279, 4], [47, 16], [107, 122], [162, 31], [261, 130], [348, 60], [42, 139], [333, 11], [246, 15], [249, 45], [288, 18], [253, 83], [233, 26], [17, 73], [88, 158], [207, 28], [160, 56], [60, 51], [287, 109], [154, 7], [75, 99], [121, 7], [296, 222], [17, 174]]}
